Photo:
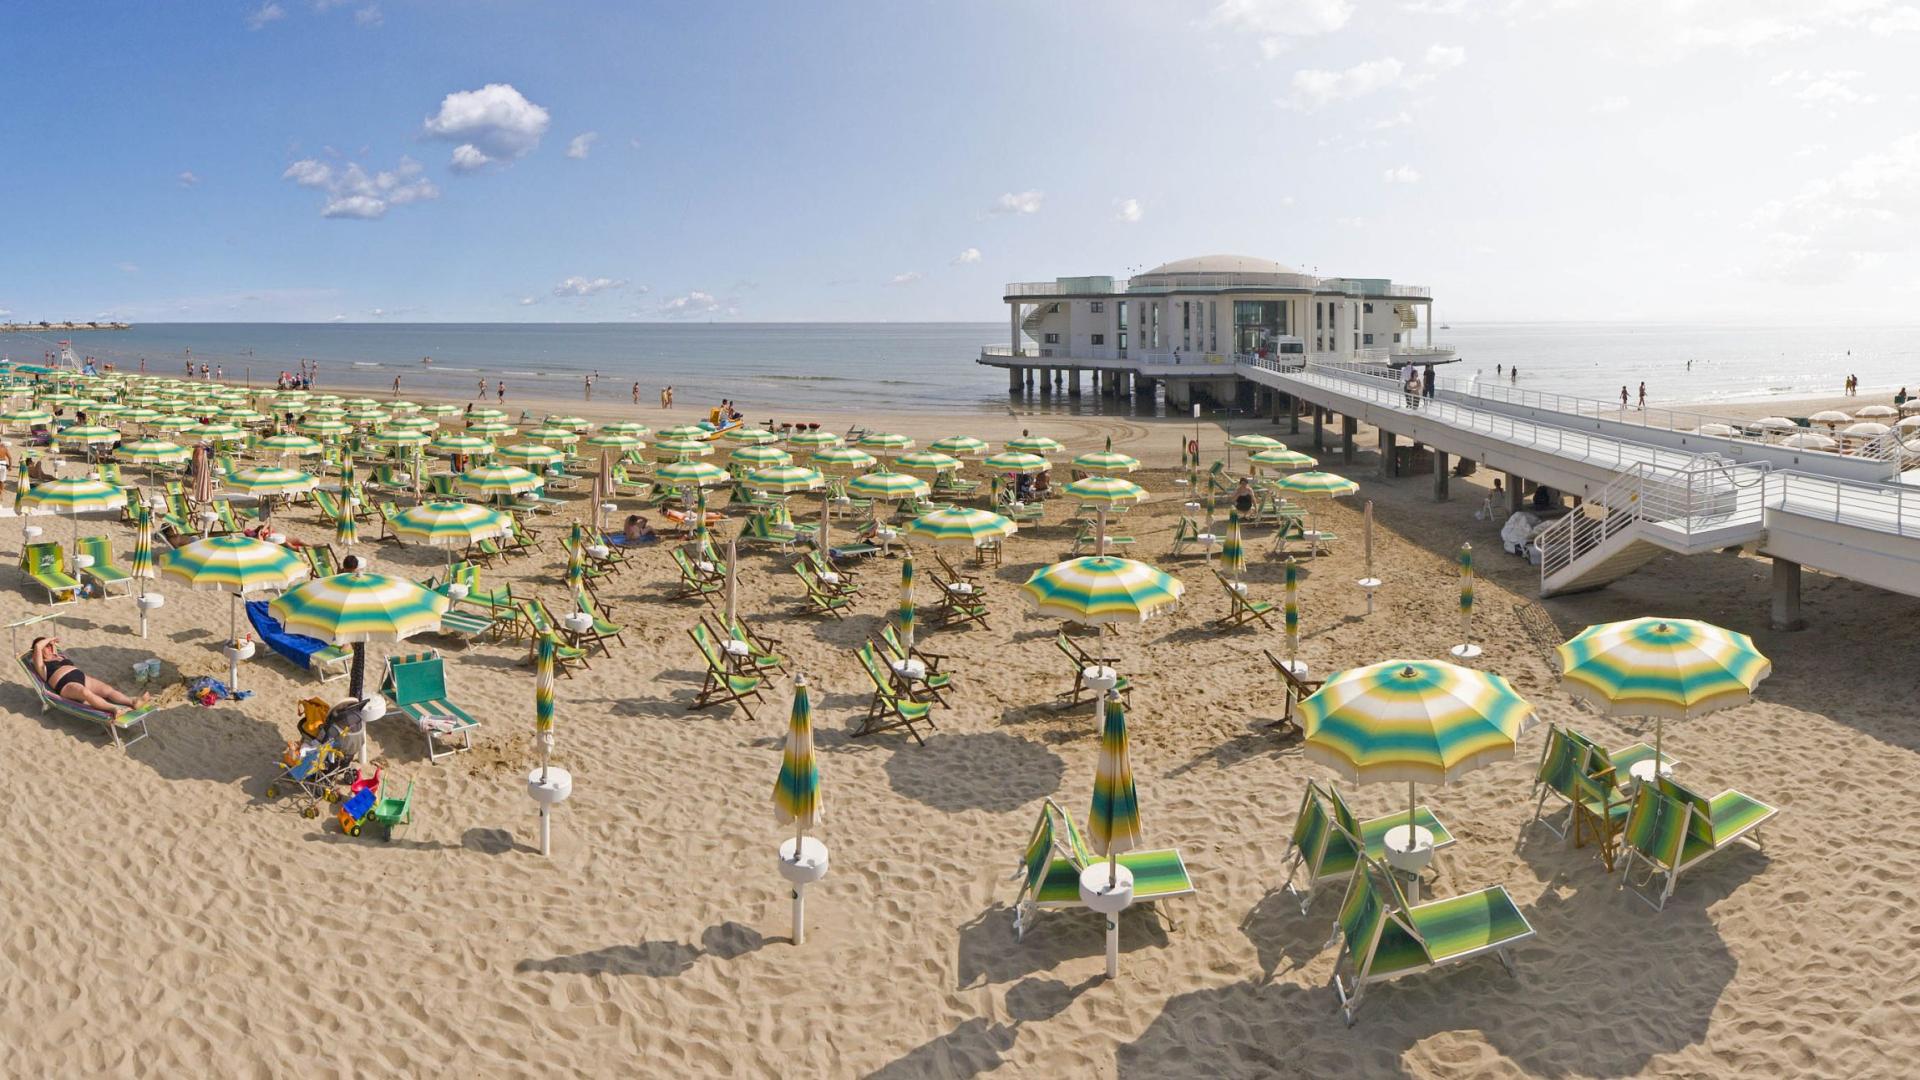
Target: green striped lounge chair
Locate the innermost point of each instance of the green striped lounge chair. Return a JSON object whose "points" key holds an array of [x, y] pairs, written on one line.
{"points": [[1622, 761], [1056, 854], [722, 683], [602, 629], [416, 686], [1562, 762], [1080, 660], [539, 624], [890, 707], [693, 583], [46, 564], [936, 681], [103, 573], [763, 659], [1671, 829], [120, 727], [1328, 841], [760, 529], [1383, 937], [818, 598]]}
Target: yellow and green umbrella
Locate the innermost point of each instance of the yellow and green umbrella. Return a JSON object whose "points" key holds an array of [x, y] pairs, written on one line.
{"points": [[690, 473], [903, 619], [932, 461], [1100, 589], [173, 423], [1317, 483], [354, 609], [749, 435], [959, 445], [496, 480], [687, 431], [490, 428], [152, 452], [448, 445], [27, 417], [627, 427], [1017, 461], [796, 794], [232, 564], [1255, 442], [553, 436], [449, 524], [530, 455], [1412, 721], [960, 525], [1105, 491], [365, 415], [1662, 668], [843, 459], [1035, 444], [786, 479], [71, 497], [571, 423], [1113, 821], [397, 437], [671, 449], [269, 480], [140, 563], [756, 456], [1108, 462], [612, 440], [545, 647], [439, 410], [1233, 554], [1283, 458], [1290, 612], [323, 428], [888, 486], [884, 442], [483, 415], [1466, 650], [289, 445], [86, 435], [411, 423], [346, 531], [813, 440]]}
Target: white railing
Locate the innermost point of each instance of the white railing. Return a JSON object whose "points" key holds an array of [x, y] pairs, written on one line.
{"points": [[1055, 288], [1885, 508], [1710, 494]]}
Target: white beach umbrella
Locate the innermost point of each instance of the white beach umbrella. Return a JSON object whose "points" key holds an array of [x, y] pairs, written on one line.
{"points": [[1875, 411], [1866, 429]]}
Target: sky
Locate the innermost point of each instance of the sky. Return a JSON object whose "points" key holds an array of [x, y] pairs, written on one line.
{"points": [[1725, 161]]}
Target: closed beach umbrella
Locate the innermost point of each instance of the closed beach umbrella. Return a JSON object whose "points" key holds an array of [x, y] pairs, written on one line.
{"points": [[1417, 721], [1113, 819], [1661, 668], [960, 446], [1233, 555], [888, 486], [785, 479], [1100, 589], [903, 620], [754, 456], [1466, 647], [1108, 462], [932, 461], [357, 608], [1290, 613], [884, 442], [1035, 444], [140, 563], [530, 455], [796, 793], [843, 459], [1017, 461], [576, 561], [346, 532], [232, 564], [960, 525], [1283, 458]]}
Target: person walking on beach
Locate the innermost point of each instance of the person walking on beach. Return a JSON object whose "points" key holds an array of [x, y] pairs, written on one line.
{"points": [[396, 386], [669, 393], [500, 391], [1643, 396], [480, 393], [589, 387], [636, 393]]}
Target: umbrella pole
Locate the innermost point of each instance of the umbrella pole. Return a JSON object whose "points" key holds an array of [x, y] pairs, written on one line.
{"points": [[1410, 805], [1100, 542], [799, 891]]}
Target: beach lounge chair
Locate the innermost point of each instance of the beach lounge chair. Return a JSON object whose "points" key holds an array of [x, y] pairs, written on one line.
{"points": [[1294, 538], [1021, 513], [760, 529], [1086, 538], [1383, 937], [890, 708], [1080, 660], [1671, 829], [1328, 840], [759, 659], [326, 662], [761, 644], [818, 598], [602, 629], [960, 602], [416, 686], [1056, 854], [1298, 689], [46, 563], [440, 485], [1622, 760], [1186, 534], [722, 682], [521, 542], [230, 519], [693, 583], [120, 727], [1242, 609], [832, 579], [328, 505], [385, 510], [539, 623], [1600, 811], [104, 574], [894, 653], [321, 558], [1562, 760]]}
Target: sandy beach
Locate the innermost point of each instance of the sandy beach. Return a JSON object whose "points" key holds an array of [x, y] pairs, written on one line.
{"points": [[162, 916]]}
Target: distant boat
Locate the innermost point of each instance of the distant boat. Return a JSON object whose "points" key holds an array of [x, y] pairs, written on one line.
{"points": [[1446, 326]]}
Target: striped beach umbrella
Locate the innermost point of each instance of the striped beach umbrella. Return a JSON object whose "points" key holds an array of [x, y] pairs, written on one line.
{"points": [[552, 436], [755, 456], [628, 427], [496, 480], [365, 416], [1017, 461], [529, 456], [71, 497], [1233, 555], [449, 444], [269, 480], [576, 562], [411, 423], [399, 437], [289, 446], [361, 403], [151, 452], [221, 433], [1035, 444], [545, 647], [86, 435], [813, 440], [670, 449], [1113, 821], [1100, 589], [323, 428], [690, 473], [749, 436], [232, 564], [1255, 442], [439, 410], [686, 431], [140, 563], [403, 406], [484, 414], [26, 417], [490, 429], [172, 423], [1662, 668], [796, 794], [1290, 612], [843, 459], [785, 479], [932, 461], [619, 442], [357, 608], [960, 446], [888, 486], [571, 423], [1108, 462], [1466, 650], [1105, 491], [1283, 458], [449, 524], [346, 531], [139, 415], [1317, 483], [243, 416], [884, 442], [960, 525], [903, 619]]}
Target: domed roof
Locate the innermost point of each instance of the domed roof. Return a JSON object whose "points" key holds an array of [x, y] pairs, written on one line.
{"points": [[1220, 264]]}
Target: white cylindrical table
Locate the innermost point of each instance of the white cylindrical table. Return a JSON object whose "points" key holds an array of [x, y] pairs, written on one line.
{"points": [[147, 603], [578, 621], [1642, 771], [803, 861], [457, 591], [1409, 859], [1109, 901], [235, 653], [548, 786]]}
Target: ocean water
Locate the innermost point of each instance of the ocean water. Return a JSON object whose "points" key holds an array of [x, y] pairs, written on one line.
{"points": [[930, 366]]}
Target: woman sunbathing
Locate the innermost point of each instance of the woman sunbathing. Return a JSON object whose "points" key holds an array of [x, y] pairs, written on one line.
{"points": [[64, 677]]}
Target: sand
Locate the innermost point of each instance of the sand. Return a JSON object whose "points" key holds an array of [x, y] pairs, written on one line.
{"points": [[160, 916]]}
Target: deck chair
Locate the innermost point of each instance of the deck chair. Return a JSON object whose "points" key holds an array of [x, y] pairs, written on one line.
{"points": [[893, 651], [326, 662], [1080, 660], [760, 529], [722, 683], [1086, 538], [1186, 534], [46, 564], [890, 707], [1298, 689], [440, 485], [103, 573], [1057, 852], [602, 629], [960, 602], [1562, 760], [1671, 829], [693, 583], [1383, 937], [328, 504], [321, 558], [1242, 609], [521, 542], [416, 686], [1328, 840], [1028, 513], [832, 579], [818, 597], [757, 660], [1621, 761], [120, 727], [385, 510], [539, 623], [1599, 811]]}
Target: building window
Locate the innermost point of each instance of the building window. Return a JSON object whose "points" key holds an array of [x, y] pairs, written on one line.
{"points": [[1053, 309], [1368, 338], [1052, 339], [1097, 307], [1099, 339], [1123, 343], [1368, 307]]}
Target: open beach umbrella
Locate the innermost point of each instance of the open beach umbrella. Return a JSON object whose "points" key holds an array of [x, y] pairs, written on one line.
{"points": [[751, 436], [25, 417], [1809, 441], [448, 445], [399, 437], [269, 480], [1832, 418], [960, 525], [785, 479], [529, 456], [411, 423], [1017, 461], [496, 481], [365, 416], [903, 619], [1417, 721], [671, 449], [1108, 462], [324, 429], [449, 524], [756, 456], [439, 410], [1282, 458], [686, 431], [289, 446], [884, 442], [86, 435], [1317, 483], [138, 415], [403, 406], [571, 423], [552, 436], [1100, 589], [888, 486], [151, 452], [843, 459], [627, 427], [691, 474], [612, 440], [221, 433], [356, 608], [1233, 554], [1105, 491], [232, 564], [1034, 444], [71, 497], [1662, 668], [489, 429], [932, 461], [482, 415], [172, 423], [1865, 429], [813, 440], [960, 446], [1255, 442]]}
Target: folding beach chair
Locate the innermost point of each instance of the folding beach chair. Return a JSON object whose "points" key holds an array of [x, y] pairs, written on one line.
{"points": [[693, 583], [321, 558], [416, 686], [1327, 839], [46, 564], [759, 529], [1057, 852], [1622, 760], [602, 630], [326, 662], [1298, 689], [117, 726], [831, 578], [1080, 660], [1242, 609], [1383, 937], [818, 599], [1186, 534], [936, 681], [891, 708], [1671, 829], [538, 623], [960, 602], [104, 574], [722, 683], [1087, 537]]}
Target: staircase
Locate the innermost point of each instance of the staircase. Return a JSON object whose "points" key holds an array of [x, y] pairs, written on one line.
{"points": [[1706, 504]]}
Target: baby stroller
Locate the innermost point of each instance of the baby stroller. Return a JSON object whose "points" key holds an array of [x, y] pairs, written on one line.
{"points": [[315, 764]]}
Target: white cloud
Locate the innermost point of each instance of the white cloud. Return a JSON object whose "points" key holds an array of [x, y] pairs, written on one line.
{"points": [[128, 268], [1841, 223], [1444, 57], [967, 257], [529, 301], [338, 318], [1276, 22], [1830, 90], [352, 192], [369, 16], [1901, 20], [266, 13], [1401, 174], [378, 313], [580, 286], [580, 144], [1315, 87], [692, 305], [1020, 202], [187, 178], [907, 277], [1127, 210], [1613, 104], [1399, 119], [495, 123]]}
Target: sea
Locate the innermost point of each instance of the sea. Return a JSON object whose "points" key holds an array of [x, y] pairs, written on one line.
{"points": [[931, 366]]}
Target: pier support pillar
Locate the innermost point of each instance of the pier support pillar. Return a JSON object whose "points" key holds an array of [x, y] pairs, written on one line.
{"points": [[1319, 429], [1514, 498], [1014, 381], [1349, 427], [1786, 596], [1073, 382], [1439, 476], [1389, 454], [1293, 417]]}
